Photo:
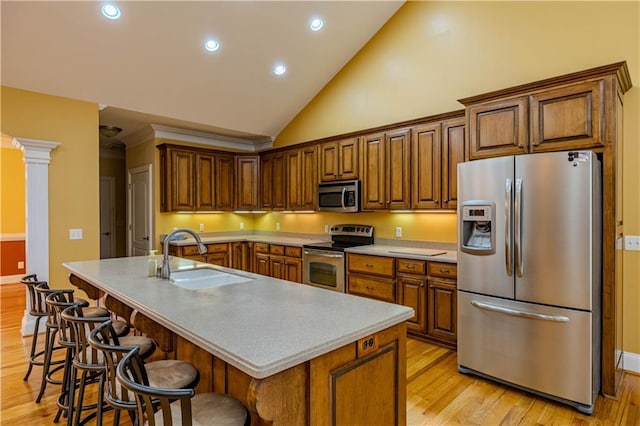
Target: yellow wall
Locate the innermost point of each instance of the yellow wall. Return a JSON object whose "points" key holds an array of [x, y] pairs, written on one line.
{"points": [[432, 53], [73, 172], [11, 191]]}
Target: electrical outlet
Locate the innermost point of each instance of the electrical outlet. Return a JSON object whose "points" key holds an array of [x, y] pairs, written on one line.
{"points": [[241, 225], [277, 226], [201, 227], [21, 264], [75, 234], [326, 229], [632, 242], [398, 231]]}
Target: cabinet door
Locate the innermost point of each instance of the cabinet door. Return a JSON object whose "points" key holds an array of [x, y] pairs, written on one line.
{"points": [[266, 182], [398, 169], [277, 267], [182, 180], [279, 173], [205, 181], [453, 133], [412, 293], [442, 311], [224, 182], [372, 287], [568, 118], [247, 178], [425, 164], [240, 258], [348, 155], [262, 264], [308, 179], [220, 259], [293, 189], [293, 269], [329, 159], [498, 128], [373, 172]]}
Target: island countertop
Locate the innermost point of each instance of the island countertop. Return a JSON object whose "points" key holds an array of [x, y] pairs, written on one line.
{"points": [[261, 327]]}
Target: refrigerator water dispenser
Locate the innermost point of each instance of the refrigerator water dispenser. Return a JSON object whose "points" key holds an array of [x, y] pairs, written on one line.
{"points": [[478, 227]]}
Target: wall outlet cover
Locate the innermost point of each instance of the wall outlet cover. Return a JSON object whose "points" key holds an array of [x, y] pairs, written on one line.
{"points": [[201, 227], [632, 242], [277, 226], [398, 231], [241, 225], [75, 234]]}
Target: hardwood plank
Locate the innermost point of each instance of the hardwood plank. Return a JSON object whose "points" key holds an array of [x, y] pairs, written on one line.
{"points": [[436, 393]]}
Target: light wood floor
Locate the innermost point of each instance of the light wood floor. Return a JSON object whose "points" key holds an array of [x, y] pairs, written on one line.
{"points": [[436, 393]]}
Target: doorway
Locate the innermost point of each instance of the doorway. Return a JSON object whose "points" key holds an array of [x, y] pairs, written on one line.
{"points": [[140, 212]]}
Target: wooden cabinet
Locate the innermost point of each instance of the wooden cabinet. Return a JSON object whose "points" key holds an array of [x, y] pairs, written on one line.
{"points": [[301, 183], [193, 179], [272, 181], [247, 179], [563, 117], [412, 293], [278, 261], [425, 163], [453, 136], [242, 255], [442, 303], [217, 253], [386, 170], [371, 276], [339, 160]]}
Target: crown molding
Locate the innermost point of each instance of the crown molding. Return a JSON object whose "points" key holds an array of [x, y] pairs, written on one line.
{"points": [[210, 139]]}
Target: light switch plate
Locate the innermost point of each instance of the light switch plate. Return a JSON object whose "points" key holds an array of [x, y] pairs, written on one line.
{"points": [[75, 234], [632, 242]]}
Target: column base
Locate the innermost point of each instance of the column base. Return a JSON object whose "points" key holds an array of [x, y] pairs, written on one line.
{"points": [[28, 324]]}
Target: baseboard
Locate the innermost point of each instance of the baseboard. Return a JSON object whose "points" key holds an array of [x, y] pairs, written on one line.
{"points": [[11, 279], [631, 362]]}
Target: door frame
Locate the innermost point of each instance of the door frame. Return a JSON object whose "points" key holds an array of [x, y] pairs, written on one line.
{"points": [[149, 169], [112, 213]]}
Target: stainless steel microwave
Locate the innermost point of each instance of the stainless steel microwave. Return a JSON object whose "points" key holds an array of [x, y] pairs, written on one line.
{"points": [[341, 196]]}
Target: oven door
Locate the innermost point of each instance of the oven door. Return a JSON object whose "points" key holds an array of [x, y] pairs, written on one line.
{"points": [[324, 269]]}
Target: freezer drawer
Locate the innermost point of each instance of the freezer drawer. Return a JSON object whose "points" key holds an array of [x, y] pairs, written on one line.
{"points": [[548, 350]]}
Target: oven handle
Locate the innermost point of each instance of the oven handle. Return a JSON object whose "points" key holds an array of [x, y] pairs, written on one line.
{"points": [[315, 253]]}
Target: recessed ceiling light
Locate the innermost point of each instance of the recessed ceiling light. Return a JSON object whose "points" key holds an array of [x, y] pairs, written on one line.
{"points": [[279, 69], [111, 11], [212, 45], [316, 24]]}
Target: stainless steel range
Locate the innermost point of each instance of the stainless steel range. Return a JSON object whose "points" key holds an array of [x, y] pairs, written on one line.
{"points": [[324, 263]]}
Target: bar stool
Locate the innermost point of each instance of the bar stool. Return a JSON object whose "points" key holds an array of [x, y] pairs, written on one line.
{"points": [[168, 374], [176, 406], [39, 311]]}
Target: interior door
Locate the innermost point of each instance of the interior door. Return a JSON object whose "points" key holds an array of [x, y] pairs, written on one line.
{"points": [[107, 217], [140, 219]]}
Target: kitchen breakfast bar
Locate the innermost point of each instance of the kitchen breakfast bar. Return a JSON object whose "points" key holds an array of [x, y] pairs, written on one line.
{"points": [[293, 354]]}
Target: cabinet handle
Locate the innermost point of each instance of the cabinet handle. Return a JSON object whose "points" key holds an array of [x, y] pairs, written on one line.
{"points": [[368, 265], [435, 201], [411, 267], [445, 201], [444, 271], [369, 288]]}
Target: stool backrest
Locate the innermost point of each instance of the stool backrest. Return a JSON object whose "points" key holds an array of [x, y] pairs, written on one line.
{"points": [[57, 301], [81, 326], [105, 339], [37, 303], [133, 376]]}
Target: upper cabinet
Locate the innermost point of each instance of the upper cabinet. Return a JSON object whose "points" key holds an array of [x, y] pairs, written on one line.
{"points": [[386, 169], [426, 148], [302, 180], [547, 117], [339, 160], [247, 176], [193, 179], [453, 135]]}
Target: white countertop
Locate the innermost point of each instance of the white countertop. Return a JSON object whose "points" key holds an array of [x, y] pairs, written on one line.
{"points": [[270, 239], [405, 252], [261, 327]]}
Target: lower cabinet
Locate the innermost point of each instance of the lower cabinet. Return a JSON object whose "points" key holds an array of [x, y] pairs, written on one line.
{"points": [[242, 256], [217, 253], [278, 261], [427, 287]]}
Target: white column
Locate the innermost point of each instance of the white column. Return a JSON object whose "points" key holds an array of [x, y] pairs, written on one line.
{"points": [[37, 156]]}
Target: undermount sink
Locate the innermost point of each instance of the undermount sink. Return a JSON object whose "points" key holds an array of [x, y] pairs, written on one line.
{"points": [[201, 278]]}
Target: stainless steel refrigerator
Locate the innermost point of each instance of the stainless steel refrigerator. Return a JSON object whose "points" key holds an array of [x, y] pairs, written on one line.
{"points": [[529, 273]]}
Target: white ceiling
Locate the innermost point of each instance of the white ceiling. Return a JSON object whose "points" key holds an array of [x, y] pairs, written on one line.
{"points": [[150, 65]]}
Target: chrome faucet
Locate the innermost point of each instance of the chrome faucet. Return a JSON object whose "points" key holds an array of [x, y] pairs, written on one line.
{"points": [[165, 271]]}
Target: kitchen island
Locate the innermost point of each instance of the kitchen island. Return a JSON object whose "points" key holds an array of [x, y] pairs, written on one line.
{"points": [[293, 354]]}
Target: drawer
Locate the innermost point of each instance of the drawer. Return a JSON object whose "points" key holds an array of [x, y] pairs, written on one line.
{"points": [[217, 248], [190, 250], [376, 288], [278, 250], [293, 251], [444, 270], [377, 265], [261, 248], [412, 266]]}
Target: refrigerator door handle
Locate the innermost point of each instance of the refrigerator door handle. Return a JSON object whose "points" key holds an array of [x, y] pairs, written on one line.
{"points": [[516, 313], [517, 218], [507, 224]]}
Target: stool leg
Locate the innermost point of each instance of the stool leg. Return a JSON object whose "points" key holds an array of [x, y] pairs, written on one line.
{"points": [[34, 342], [100, 400], [73, 378], [80, 401], [63, 398], [48, 353]]}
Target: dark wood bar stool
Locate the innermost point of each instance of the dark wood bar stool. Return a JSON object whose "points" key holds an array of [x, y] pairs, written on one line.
{"points": [[38, 310], [157, 406], [168, 374]]}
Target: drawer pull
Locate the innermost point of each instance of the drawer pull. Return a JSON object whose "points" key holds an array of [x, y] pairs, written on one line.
{"points": [[445, 271], [369, 288], [369, 265], [411, 267]]}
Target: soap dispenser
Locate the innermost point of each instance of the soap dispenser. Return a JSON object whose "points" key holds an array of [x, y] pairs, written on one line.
{"points": [[153, 263]]}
